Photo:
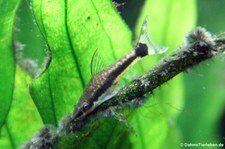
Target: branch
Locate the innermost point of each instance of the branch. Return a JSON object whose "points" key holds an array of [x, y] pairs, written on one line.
{"points": [[199, 46]]}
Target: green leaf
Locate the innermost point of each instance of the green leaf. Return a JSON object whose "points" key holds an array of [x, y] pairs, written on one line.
{"points": [[7, 66], [5, 139], [208, 84], [204, 107], [18, 119], [23, 119], [204, 86], [56, 91], [79, 29]]}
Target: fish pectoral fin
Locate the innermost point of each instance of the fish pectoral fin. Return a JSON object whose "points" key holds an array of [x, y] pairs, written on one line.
{"points": [[111, 92]]}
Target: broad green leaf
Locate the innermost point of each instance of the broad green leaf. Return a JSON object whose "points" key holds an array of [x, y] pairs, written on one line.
{"points": [[204, 86], [5, 136], [7, 66], [204, 95], [211, 15], [79, 29], [203, 108], [23, 119], [154, 119], [208, 82], [57, 89]]}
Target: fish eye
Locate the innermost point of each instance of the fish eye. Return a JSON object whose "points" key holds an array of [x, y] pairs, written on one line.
{"points": [[85, 106]]}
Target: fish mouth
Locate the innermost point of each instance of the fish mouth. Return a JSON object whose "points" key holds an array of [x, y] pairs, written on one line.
{"points": [[79, 114]]}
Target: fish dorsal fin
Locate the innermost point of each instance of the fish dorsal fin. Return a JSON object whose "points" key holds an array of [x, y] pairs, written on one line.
{"points": [[97, 63], [146, 39]]}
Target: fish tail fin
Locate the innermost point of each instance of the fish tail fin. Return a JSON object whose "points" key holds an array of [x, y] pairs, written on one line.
{"points": [[146, 41]]}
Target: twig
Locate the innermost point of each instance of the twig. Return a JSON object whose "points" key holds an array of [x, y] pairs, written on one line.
{"points": [[199, 46]]}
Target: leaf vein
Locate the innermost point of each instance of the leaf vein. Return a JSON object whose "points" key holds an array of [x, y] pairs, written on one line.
{"points": [[72, 49]]}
